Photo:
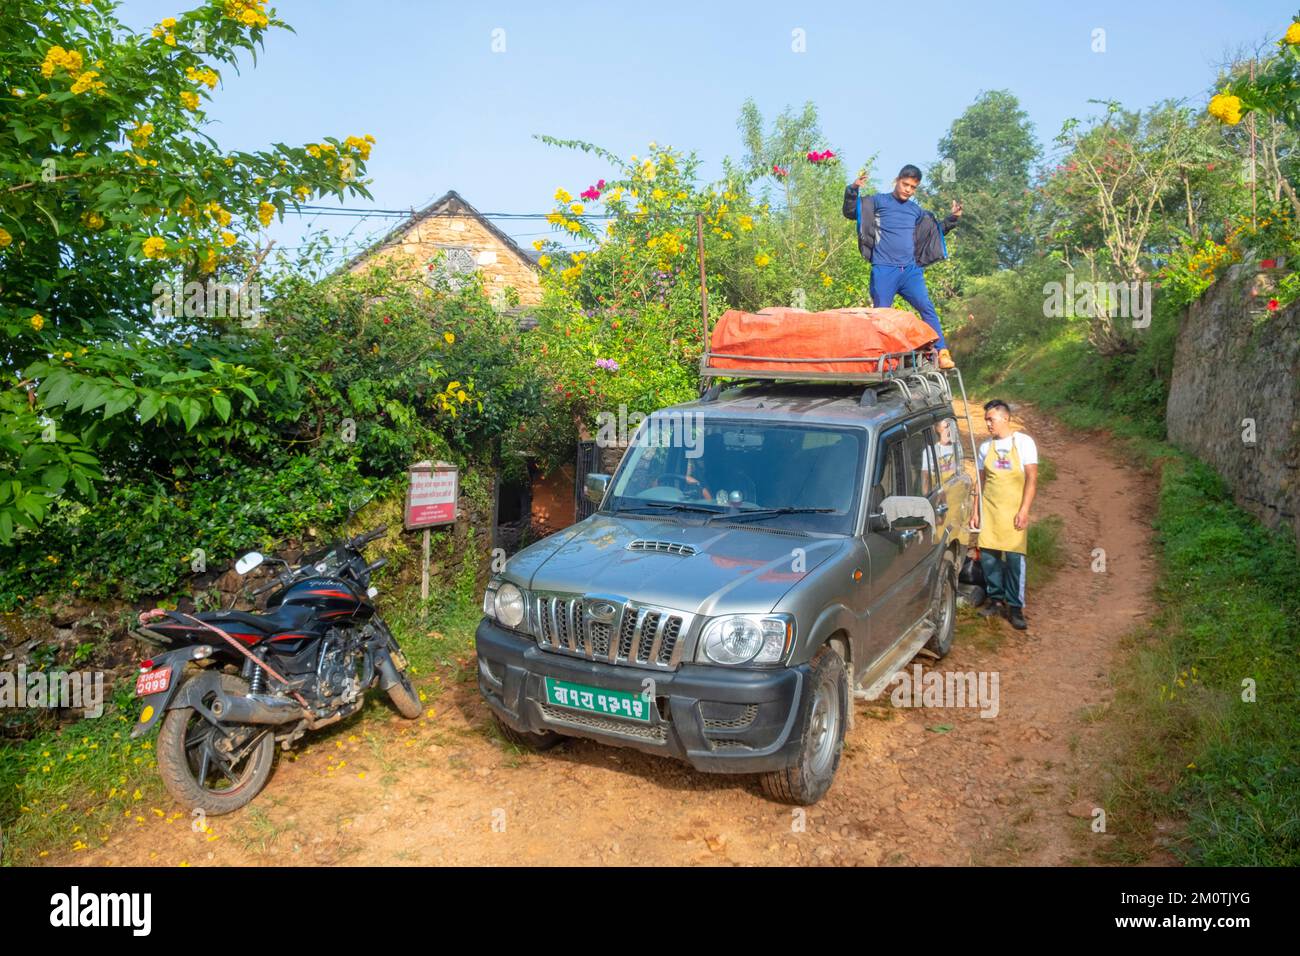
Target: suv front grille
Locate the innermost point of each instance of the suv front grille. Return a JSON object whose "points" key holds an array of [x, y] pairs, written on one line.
{"points": [[646, 637]]}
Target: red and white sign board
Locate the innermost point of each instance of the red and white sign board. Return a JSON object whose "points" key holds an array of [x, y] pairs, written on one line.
{"points": [[431, 494]]}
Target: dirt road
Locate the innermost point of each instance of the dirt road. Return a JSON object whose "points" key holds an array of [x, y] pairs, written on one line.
{"points": [[916, 786]]}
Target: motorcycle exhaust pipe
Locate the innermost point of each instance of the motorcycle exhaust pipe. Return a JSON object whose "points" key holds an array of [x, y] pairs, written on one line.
{"points": [[257, 709]]}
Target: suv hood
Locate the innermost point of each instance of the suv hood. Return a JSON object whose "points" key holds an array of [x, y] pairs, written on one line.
{"points": [[733, 569]]}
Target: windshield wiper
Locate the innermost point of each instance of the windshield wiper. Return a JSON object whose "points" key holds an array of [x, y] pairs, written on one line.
{"points": [[770, 513], [652, 506]]}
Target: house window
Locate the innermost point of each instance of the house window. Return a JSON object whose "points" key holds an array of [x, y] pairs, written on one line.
{"points": [[455, 264]]}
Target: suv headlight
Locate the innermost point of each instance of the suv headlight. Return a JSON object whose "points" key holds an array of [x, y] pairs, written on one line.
{"points": [[746, 639], [509, 605]]}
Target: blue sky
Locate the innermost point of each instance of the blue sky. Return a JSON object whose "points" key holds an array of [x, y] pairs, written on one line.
{"points": [[449, 113]]}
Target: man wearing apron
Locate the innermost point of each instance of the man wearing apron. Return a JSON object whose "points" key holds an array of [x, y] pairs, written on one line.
{"points": [[1008, 472]]}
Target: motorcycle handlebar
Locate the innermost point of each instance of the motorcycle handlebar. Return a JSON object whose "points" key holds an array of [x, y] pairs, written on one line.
{"points": [[363, 539]]}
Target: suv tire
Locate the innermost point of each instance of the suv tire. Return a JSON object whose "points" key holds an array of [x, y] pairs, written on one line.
{"points": [[823, 718], [943, 613]]}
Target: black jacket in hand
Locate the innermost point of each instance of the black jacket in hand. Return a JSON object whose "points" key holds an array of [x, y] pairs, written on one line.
{"points": [[929, 246]]}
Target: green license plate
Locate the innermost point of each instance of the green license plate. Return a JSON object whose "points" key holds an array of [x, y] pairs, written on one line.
{"points": [[594, 700]]}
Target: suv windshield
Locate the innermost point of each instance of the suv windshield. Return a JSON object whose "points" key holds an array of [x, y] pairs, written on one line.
{"points": [[800, 477]]}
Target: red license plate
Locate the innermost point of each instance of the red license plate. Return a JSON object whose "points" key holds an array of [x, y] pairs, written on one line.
{"points": [[154, 682]]}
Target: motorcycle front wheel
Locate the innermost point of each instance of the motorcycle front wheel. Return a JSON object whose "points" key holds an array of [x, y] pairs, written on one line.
{"points": [[195, 769]]}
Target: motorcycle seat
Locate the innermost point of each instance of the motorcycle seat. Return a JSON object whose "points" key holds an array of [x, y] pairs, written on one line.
{"points": [[286, 617]]}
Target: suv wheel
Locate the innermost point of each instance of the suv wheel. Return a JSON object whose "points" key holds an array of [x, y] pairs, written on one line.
{"points": [[540, 741], [943, 613], [825, 712]]}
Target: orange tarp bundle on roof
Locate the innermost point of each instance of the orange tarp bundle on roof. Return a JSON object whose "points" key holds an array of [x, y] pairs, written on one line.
{"points": [[799, 334]]}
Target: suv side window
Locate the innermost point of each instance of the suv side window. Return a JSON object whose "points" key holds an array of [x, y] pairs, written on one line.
{"points": [[922, 476], [889, 472], [947, 449]]}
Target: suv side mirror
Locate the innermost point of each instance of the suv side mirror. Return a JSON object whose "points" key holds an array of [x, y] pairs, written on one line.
{"points": [[248, 562], [902, 513], [595, 486]]}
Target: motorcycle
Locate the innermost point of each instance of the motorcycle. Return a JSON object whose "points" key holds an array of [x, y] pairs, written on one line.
{"points": [[229, 685]]}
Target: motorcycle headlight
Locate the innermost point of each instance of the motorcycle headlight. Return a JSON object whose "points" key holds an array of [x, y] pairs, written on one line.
{"points": [[510, 605], [746, 639]]}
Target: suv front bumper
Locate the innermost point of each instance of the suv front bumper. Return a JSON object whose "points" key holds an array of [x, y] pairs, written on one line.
{"points": [[717, 719]]}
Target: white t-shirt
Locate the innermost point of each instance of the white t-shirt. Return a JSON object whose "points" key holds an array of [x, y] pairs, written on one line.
{"points": [[1024, 445]]}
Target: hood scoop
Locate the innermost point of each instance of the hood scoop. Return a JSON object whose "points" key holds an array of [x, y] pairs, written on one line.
{"points": [[662, 547]]}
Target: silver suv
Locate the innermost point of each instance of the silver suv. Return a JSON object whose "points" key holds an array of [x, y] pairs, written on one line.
{"points": [[759, 556]]}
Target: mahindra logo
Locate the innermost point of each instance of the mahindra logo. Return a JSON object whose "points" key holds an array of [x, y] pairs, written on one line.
{"points": [[602, 611]]}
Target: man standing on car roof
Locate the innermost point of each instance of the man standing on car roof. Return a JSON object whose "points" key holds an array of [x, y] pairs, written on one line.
{"points": [[1008, 475], [899, 239]]}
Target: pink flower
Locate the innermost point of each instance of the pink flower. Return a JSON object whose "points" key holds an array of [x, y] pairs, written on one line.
{"points": [[590, 193], [1272, 305], [600, 184], [779, 170]]}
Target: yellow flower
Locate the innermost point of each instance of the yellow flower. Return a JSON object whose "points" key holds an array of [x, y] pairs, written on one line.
{"points": [[659, 194], [153, 247], [302, 192], [562, 195], [205, 76], [826, 280], [68, 355], [538, 244], [38, 322], [5, 238], [1292, 34], [544, 261], [746, 223], [170, 39], [56, 57], [88, 81], [264, 213], [1226, 107], [449, 338], [361, 145], [229, 238], [190, 100], [167, 23], [140, 135], [576, 208], [762, 259], [572, 226], [94, 220]]}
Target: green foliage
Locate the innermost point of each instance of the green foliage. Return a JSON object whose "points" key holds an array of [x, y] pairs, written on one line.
{"points": [[985, 161], [92, 230]]}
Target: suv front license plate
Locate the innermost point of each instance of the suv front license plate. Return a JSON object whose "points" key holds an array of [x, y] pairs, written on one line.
{"points": [[594, 700]]}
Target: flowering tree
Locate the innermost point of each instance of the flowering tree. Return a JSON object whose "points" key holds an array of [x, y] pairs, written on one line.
{"points": [[621, 319], [110, 192]]}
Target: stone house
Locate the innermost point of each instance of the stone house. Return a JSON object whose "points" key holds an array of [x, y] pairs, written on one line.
{"points": [[468, 243]]}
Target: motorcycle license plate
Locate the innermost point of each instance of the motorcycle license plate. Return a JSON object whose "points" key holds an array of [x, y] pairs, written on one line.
{"points": [[594, 700], [153, 682]]}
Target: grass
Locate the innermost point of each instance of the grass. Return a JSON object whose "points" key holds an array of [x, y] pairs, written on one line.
{"points": [[68, 789], [1046, 551], [1192, 744]]}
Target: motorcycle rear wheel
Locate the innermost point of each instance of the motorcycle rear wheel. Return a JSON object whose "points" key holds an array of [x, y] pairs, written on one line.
{"points": [[192, 775]]}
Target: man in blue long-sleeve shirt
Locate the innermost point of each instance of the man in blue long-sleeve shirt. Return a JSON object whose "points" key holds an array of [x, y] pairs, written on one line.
{"points": [[899, 238]]}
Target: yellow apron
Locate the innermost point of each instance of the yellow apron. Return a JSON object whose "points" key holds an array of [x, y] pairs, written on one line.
{"points": [[1004, 488]]}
